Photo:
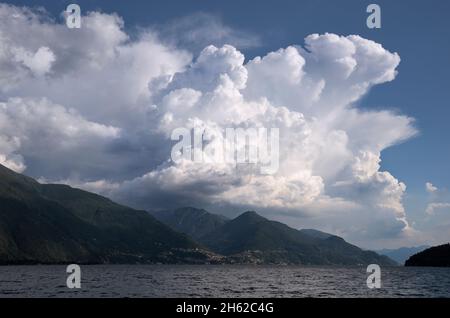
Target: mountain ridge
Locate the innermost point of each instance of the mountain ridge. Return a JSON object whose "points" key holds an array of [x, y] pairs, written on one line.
{"points": [[255, 239], [44, 223], [289, 246], [400, 255], [52, 224], [191, 221]]}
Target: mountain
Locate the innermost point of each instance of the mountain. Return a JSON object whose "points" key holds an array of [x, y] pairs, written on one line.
{"points": [[400, 255], [50, 224], [194, 222], [438, 256], [316, 233], [250, 238], [42, 223]]}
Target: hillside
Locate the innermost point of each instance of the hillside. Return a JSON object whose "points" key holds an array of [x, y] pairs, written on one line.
{"points": [[252, 238], [59, 224], [194, 222], [438, 256]]}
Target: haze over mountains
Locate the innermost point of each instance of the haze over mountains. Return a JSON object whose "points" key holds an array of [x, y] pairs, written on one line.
{"points": [[400, 255], [44, 223]]}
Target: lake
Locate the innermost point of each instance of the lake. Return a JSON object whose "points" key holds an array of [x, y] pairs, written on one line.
{"points": [[222, 281]]}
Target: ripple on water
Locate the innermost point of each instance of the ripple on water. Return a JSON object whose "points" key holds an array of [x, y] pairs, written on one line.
{"points": [[222, 281]]}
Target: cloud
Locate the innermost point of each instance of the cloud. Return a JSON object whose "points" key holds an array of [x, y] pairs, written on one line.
{"points": [[95, 109], [330, 150], [434, 222], [201, 29], [430, 187], [39, 63], [49, 133], [432, 207], [438, 199], [95, 71]]}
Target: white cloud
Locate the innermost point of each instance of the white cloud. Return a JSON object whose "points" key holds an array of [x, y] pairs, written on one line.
{"points": [[330, 151], [39, 62], [8, 155], [430, 187], [48, 133], [95, 108]]}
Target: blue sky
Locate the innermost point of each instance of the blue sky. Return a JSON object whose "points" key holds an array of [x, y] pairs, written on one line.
{"points": [[417, 30]]}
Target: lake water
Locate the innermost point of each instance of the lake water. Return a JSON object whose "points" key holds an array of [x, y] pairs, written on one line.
{"points": [[222, 281]]}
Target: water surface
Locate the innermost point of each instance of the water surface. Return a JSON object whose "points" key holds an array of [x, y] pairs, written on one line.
{"points": [[222, 281]]}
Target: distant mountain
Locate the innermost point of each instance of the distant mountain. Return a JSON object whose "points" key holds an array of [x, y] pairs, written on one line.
{"points": [[400, 255], [250, 238], [438, 256], [58, 224], [194, 222]]}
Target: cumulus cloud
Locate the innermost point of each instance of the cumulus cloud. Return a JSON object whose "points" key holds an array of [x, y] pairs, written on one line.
{"points": [[96, 72], [48, 132], [330, 150], [96, 109], [39, 63]]}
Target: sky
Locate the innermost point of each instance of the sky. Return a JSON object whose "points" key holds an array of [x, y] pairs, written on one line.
{"points": [[362, 111]]}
